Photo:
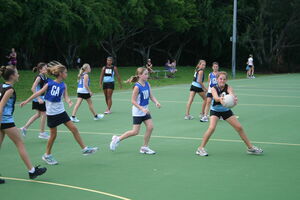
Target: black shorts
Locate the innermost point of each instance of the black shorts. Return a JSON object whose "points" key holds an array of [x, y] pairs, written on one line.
{"points": [[196, 89], [84, 95], [56, 120], [109, 85], [225, 115], [139, 120], [250, 66], [38, 106], [7, 125], [209, 94]]}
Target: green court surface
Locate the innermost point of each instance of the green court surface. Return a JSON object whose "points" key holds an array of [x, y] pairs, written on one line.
{"points": [[269, 110]]}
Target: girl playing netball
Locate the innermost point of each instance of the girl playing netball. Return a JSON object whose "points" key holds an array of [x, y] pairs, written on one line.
{"points": [[7, 127], [197, 87], [84, 92], [212, 81], [107, 82], [56, 114], [38, 103], [140, 112], [218, 110]]}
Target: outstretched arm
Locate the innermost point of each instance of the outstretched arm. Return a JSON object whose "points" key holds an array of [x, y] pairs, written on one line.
{"points": [[39, 93]]}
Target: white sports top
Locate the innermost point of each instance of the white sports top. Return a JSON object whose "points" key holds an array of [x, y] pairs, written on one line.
{"points": [[250, 61]]}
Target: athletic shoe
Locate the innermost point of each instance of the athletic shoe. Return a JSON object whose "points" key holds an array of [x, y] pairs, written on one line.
{"points": [[37, 172], [2, 181], [23, 131], [188, 117], [49, 159], [201, 152], [107, 112], [44, 135], [115, 141], [147, 150], [204, 119], [252, 76], [99, 116], [89, 150], [255, 150], [74, 119]]}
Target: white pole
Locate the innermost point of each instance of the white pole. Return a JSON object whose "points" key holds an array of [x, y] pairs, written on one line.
{"points": [[234, 39]]}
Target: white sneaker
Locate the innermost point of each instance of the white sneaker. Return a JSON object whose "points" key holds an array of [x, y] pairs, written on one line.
{"points": [[115, 140], [201, 152], [188, 117], [23, 131], [99, 116], [255, 150], [253, 77], [44, 135], [204, 119], [147, 150], [74, 119]]}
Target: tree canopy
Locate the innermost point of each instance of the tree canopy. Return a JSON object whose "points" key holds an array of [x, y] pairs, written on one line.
{"points": [[133, 30]]}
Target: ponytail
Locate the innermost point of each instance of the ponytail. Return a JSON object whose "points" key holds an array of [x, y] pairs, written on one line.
{"points": [[39, 67], [82, 69], [135, 78]]}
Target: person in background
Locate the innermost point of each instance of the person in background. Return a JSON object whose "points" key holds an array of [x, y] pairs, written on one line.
{"points": [[12, 57]]}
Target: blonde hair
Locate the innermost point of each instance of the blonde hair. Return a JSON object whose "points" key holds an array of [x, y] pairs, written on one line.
{"points": [[82, 69], [135, 78], [55, 68], [222, 73], [199, 63]]}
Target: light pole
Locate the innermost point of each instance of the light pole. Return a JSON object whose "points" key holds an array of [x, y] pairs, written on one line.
{"points": [[234, 39]]}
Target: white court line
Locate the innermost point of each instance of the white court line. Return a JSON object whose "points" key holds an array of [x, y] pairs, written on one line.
{"points": [[184, 138], [197, 102], [66, 186]]}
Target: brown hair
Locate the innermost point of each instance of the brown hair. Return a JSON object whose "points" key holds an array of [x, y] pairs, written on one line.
{"points": [[135, 78], [215, 63], [39, 67], [55, 68], [7, 71], [222, 72]]}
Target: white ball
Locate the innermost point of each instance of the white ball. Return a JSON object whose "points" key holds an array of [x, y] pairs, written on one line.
{"points": [[228, 101]]}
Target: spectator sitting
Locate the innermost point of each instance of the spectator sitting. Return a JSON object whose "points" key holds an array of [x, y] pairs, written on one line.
{"points": [[171, 67], [149, 66]]}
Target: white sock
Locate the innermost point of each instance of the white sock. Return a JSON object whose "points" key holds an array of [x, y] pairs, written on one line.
{"points": [[85, 148], [32, 170]]}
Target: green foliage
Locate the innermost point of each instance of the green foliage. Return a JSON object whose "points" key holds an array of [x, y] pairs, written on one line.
{"points": [[44, 30]]}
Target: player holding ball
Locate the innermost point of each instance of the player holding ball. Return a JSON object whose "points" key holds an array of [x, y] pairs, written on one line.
{"points": [[218, 110]]}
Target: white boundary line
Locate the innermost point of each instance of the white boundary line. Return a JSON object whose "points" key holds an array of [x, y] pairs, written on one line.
{"points": [[66, 186], [183, 138]]}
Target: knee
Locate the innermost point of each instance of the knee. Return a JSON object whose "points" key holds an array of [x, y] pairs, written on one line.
{"points": [[239, 128], [150, 128]]}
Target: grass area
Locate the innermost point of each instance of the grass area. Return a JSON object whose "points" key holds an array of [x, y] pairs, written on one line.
{"points": [[183, 76]]}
